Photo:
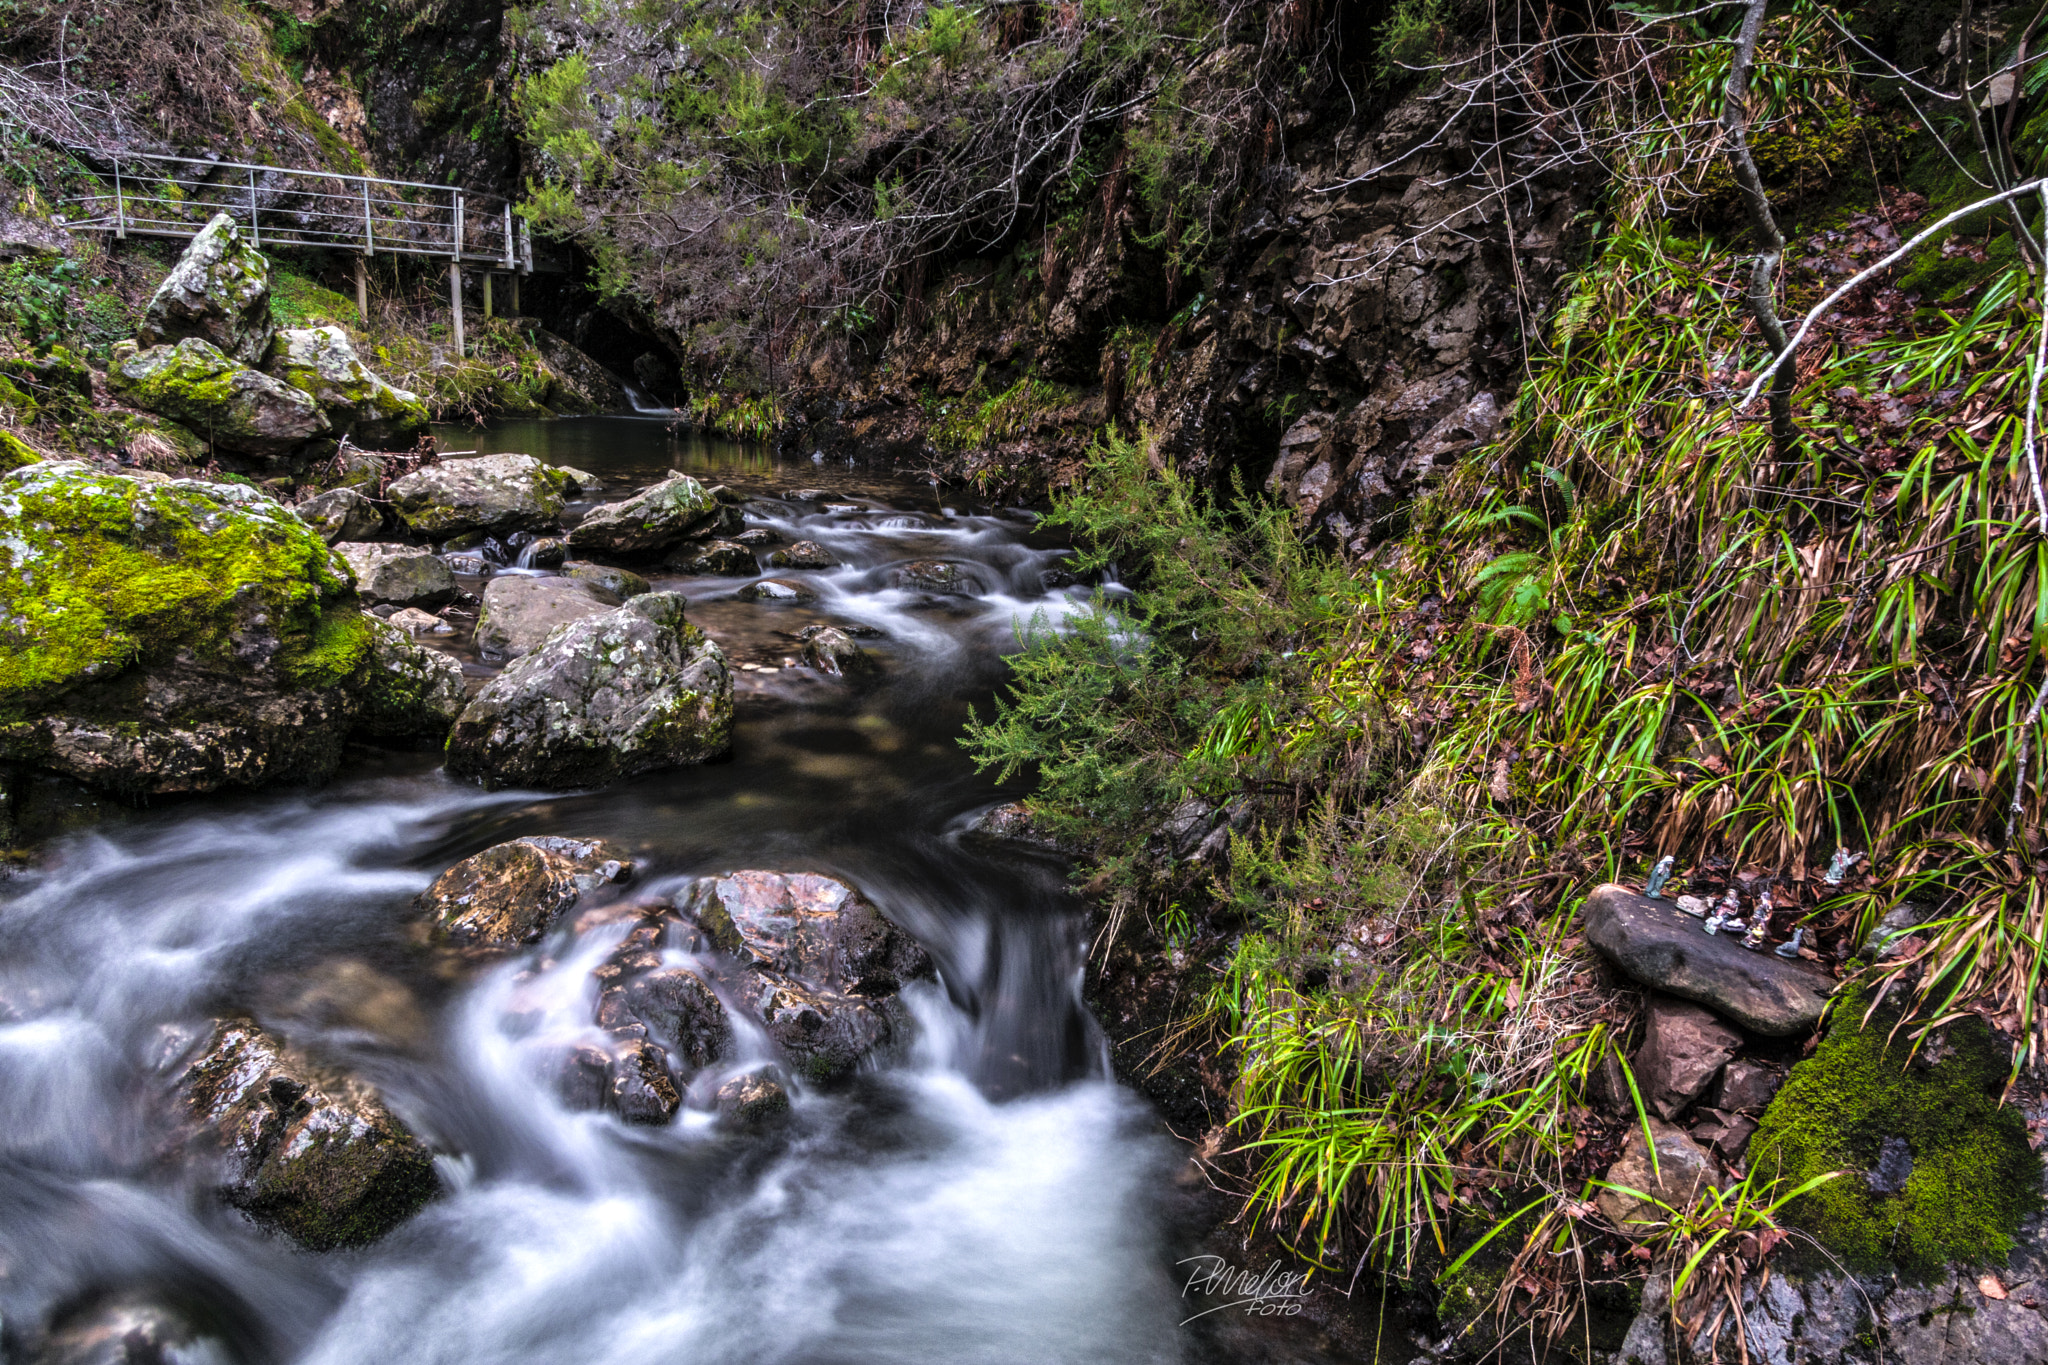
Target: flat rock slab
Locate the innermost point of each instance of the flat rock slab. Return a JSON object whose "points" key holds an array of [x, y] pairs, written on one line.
{"points": [[1657, 944], [520, 613]]}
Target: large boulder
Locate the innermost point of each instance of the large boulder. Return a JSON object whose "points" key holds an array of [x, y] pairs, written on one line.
{"points": [[519, 613], [341, 514], [170, 636], [410, 694], [625, 692], [648, 522], [1659, 945], [299, 1147], [221, 399], [511, 893], [493, 494], [402, 575], [320, 362], [219, 292]]}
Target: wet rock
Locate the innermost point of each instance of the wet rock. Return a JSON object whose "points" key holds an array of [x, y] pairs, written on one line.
{"points": [[805, 554], [824, 1033], [1012, 823], [1746, 1087], [620, 583], [520, 613], [224, 401], [400, 574], [1684, 1048], [648, 522], [494, 494], [320, 362], [581, 482], [217, 292], [1683, 1169], [341, 514], [415, 622], [607, 696], [936, 576], [161, 636], [678, 1006], [756, 537], [752, 1099], [410, 694], [510, 893], [641, 1089], [833, 651], [812, 927], [301, 1148], [549, 552], [583, 1078], [720, 559], [129, 1329], [776, 590], [1657, 944]]}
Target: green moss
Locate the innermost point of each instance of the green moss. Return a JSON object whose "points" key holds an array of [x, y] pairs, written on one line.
{"points": [[1973, 1175], [15, 452], [98, 571], [333, 650], [296, 301]]}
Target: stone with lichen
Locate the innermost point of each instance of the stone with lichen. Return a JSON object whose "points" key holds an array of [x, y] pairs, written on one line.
{"points": [[219, 292]]}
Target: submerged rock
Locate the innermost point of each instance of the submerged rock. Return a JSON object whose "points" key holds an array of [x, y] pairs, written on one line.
{"points": [[776, 590], [410, 694], [224, 401], [937, 576], [752, 1099], [128, 1329], [511, 893], [833, 651], [301, 1148], [217, 292], [341, 514], [648, 522], [1657, 944], [520, 613], [402, 575], [608, 696], [494, 494], [320, 362], [169, 635]]}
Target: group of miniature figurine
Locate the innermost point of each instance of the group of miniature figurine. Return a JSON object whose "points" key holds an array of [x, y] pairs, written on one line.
{"points": [[1727, 916]]}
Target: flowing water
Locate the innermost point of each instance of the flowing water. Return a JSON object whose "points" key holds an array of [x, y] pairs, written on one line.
{"points": [[986, 1193]]}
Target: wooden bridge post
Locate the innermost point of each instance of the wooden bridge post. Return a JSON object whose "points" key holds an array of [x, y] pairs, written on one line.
{"points": [[515, 294], [455, 301], [362, 291], [487, 294]]}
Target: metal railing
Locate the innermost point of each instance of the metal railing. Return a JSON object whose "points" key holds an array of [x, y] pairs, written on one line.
{"points": [[167, 196]]}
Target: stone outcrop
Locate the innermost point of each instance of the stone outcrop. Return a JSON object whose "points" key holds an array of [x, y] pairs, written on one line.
{"points": [[218, 292], [410, 695], [402, 575], [320, 362], [608, 696], [511, 893], [494, 494], [647, 522], [1659, 945], [299, 1147], [519, 613], [222, 400], [341, 514]]}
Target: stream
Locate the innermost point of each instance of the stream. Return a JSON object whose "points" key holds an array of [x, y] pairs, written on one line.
{"points": [[986, 1193]]}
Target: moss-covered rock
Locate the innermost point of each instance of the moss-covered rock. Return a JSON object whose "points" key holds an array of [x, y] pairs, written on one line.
{"points": [[410, 694], [1937, 1169], [219, 292], [222, 400], [320, 362], [161, 635], [15, 452], [649, 521], [492, 494]]}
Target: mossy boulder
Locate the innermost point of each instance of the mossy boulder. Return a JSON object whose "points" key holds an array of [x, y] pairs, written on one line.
{"points": [[403, 575], [218, 292], [410, 693], [320, 362], [341, 514], [300, 1147], [491, 494], [648, 522], [221, 399], [1938, 1170], [624, 692], [170, 635], [16, 453]]}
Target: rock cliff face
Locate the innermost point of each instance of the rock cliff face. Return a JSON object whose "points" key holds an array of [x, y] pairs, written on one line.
{"points": [[1363, 328]]}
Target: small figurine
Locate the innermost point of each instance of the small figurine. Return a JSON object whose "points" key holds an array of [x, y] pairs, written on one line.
{"points": [[1659, 875], [1789, 949], [1754, 939], [1839, 865]]}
